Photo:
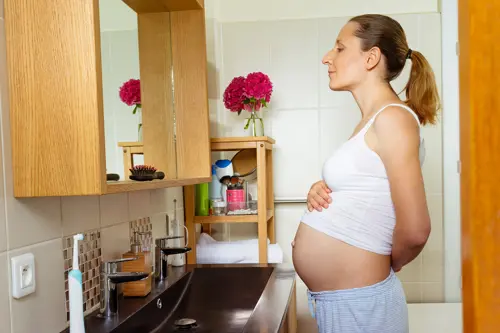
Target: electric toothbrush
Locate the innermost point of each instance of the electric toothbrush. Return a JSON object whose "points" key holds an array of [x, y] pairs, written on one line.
{"points": [[76, 324]]}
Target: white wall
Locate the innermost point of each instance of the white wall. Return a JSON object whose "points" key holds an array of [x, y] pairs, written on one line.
{"points": [[116, 15], [451, 151], [256, 10]]}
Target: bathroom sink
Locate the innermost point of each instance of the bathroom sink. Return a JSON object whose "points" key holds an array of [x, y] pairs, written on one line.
{"points": [[216, 298], [206, 299]]}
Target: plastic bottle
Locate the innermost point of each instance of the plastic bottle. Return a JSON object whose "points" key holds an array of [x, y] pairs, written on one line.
{"points": [[202, 200], [215, 186]]}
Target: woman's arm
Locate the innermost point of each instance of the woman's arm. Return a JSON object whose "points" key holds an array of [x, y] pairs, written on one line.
{"points": [[397, 144]]}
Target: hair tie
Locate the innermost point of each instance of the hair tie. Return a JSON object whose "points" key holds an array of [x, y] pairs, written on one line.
{"points": [[408, 55]]}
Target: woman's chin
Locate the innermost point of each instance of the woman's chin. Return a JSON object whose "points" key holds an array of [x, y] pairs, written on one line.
{"points": [[337, 87]]}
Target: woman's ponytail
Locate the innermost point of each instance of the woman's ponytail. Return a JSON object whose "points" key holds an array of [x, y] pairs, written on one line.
{"points": [[421, 90]]}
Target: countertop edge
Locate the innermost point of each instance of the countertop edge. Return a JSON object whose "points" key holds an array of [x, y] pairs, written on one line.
{"points": [[271, 309]]}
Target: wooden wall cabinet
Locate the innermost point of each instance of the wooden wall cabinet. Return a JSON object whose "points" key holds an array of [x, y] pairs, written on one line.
{"points": [[56, 99]]}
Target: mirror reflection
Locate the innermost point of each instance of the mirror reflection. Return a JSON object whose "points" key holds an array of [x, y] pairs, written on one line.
{"points": [[121, 79]]}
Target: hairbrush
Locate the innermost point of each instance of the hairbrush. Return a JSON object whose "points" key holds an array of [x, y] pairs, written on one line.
{"points": [[142, 172]]}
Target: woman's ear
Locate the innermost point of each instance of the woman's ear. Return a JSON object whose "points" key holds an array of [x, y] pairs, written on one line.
{"points": [[373, 57]]}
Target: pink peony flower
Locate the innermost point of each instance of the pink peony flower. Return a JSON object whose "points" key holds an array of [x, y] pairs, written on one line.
{"points": [[233, 95], [258, 86], [130, 92]]}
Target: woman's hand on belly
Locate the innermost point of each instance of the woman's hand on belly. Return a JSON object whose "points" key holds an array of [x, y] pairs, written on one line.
{"points": [[318, 196]]}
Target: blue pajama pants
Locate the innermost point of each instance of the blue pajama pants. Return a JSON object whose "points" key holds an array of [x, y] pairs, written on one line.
{"points": [[379, 308]]}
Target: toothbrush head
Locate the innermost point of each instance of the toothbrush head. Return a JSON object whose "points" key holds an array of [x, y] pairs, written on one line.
{"points": [[78, 237]]}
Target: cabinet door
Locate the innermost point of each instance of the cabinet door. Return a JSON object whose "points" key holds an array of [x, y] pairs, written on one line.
{"points": [[56, 114]]}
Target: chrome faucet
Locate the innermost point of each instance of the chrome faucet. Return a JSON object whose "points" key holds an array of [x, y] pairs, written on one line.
{"points": [[110, 279], [162, 251]]}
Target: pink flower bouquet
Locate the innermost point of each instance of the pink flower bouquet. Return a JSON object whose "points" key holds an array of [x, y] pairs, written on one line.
{"points": [[130, 93], [250, 94]]}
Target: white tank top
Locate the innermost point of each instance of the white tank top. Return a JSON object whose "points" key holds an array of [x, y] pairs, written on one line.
{"points": [[362, 212]]}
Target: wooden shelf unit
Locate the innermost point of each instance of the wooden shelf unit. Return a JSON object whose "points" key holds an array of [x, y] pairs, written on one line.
{"points": [[265, 196]]}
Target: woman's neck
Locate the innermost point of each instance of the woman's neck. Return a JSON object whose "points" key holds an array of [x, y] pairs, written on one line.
{"points": [[372, 96]]}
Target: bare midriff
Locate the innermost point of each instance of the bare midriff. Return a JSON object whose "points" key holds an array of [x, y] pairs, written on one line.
{"points": [[325, 263]]}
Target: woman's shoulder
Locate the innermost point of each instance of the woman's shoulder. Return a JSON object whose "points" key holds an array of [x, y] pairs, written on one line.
{"points": [[397, 119]]}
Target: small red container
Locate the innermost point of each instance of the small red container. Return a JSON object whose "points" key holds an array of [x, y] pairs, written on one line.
{"points": [[236, 199]]}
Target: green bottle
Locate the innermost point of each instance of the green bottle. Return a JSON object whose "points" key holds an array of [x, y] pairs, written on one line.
{"points": [[202, 200]]}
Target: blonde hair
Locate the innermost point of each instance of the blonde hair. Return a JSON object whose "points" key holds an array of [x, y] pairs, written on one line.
{"points": [[387, 34]]}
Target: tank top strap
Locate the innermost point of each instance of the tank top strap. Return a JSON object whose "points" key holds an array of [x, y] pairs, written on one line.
{"points": [[372, 120]]}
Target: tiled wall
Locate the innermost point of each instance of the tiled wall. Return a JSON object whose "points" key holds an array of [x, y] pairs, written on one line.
{"points": [[107, 236], [308, 120], [42, 225]]}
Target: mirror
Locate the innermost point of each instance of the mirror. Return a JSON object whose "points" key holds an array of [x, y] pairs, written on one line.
{"points": [[121, 81]]}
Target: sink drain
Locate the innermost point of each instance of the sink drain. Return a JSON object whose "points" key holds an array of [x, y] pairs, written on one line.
{"points": [[185, 324]]}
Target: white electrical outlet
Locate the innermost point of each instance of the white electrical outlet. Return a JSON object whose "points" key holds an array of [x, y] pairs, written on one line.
{"points": [[23, 275]]}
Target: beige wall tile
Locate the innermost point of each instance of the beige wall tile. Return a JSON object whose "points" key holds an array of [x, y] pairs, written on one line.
{"points": [[220, 231], [139, 204], [432, 293], [159, 224], [4, 294], [432, 168], [79, 214], [413, 292], [115, 241], [245, 10], [45, 307], [159, 201], [433, 266], [289, 146], [176, 193], [435, 206], [299, 92], [412, 272], [433, 255], [287, 221], [33, 220], [114, 209], [238, 231]]}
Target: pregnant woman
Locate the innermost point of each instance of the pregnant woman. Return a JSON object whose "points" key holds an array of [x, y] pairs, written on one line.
{"points": [[368, 217]]}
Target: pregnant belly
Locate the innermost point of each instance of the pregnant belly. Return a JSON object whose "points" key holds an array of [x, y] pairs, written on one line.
{"points": [[325, 263]]}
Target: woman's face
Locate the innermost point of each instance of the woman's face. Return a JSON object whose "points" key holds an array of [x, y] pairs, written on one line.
{"points": [[346, 61]]}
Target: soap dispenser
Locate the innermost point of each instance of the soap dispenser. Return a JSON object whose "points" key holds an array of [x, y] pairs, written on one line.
{"points": [[144, 263]]}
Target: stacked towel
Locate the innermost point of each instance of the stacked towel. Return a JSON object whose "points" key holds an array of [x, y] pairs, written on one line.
{"points": [[210, 251]]}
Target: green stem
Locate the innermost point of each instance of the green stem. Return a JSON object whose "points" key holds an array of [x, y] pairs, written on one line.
{"points": [[253, 120]]}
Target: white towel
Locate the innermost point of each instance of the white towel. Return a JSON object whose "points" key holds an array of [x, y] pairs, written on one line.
{"points": [[210, 251]]}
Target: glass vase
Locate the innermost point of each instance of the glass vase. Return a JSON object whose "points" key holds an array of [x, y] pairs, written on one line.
{"points": [[139, 123], [254, 125]]}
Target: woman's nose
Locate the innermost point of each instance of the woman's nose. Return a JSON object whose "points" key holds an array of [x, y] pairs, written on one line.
{"points": [[327, 58]]}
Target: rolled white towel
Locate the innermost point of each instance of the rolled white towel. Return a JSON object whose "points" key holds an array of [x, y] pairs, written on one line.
{"points": [[210, 251]]}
